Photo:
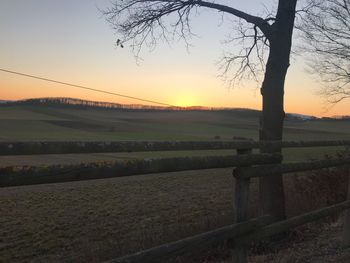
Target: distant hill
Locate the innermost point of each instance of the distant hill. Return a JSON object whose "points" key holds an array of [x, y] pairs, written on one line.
{"points": [[67, 119], [300, 116], [73, 102], [5, 101], [340, 117], [79, 103]]}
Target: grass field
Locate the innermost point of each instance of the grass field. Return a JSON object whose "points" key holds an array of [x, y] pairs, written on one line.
{"points": [[100, 219], [96, 220], [60, 123], [92, 221], [63, 123], [44, 123]]}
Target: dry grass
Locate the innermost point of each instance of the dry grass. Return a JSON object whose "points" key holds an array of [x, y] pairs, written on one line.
{"points": [[97, 220], [91, 221], [316, 243]]}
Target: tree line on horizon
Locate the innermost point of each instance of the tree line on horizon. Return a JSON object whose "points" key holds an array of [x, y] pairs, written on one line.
{"points": [[80, 103], [52, 101]]}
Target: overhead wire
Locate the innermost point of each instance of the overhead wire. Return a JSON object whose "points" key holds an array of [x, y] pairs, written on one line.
{"points": [[84, 87]]}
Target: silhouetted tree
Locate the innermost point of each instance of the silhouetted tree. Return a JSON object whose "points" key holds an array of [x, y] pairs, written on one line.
{"points": [[145, 22], [326, 28]]}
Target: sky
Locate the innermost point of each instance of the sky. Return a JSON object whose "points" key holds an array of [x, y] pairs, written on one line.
{"points": [[71, 41]]}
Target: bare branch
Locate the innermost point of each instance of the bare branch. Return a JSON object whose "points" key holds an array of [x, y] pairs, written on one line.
{"points": [[326, 30], [250, 62], [263, 24], [145, 22]]}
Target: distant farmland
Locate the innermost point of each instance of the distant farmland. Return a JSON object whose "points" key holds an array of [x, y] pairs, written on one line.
{"points": [[62, 123], [45, 122]]}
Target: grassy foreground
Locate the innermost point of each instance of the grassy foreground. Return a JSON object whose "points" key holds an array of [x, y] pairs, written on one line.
{"points": [[92, 221]]}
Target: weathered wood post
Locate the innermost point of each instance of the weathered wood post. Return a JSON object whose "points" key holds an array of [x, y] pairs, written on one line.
{"points": [[241, 208], [346, 231]]}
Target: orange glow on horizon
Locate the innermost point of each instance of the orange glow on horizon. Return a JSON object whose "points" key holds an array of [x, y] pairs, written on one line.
{"points": [[206, 92], [75, 45]]}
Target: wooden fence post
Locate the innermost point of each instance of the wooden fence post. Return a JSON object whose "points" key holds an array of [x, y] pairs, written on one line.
{"points": [[241, 208], [346, 231]]}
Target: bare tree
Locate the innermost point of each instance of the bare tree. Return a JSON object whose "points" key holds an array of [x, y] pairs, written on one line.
{"points": [[326, 28], [145, 22]]}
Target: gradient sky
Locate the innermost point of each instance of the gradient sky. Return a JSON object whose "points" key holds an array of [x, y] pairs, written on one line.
{"points": [[70, 41]]}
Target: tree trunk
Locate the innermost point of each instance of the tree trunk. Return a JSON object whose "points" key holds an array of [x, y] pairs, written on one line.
{"points": [[271, 122]]}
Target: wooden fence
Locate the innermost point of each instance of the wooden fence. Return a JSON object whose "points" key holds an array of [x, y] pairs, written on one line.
{"points": [[247, 165], [246, 230], [14, 176], [24, 175]]}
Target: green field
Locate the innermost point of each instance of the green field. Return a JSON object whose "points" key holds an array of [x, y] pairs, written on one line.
{"points": [[60, 123], [96, 220], [63, 123]]}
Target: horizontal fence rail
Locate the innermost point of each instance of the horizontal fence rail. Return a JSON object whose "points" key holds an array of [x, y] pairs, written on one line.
{"points": [[242, 233], [272, 169], [12, 176], [295, 221], [197, 242], [29, 148]]}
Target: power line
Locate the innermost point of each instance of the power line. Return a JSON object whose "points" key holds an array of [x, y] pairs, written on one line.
{"points": [[83, 87]]}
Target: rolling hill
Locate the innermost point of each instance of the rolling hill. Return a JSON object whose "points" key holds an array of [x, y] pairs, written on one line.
{"points": [[48, 121]]}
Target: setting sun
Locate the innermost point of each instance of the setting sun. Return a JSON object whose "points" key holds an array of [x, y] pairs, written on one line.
{"points": [[185, 101]]}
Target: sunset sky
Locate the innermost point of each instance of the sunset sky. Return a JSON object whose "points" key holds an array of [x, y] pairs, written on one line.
{"points": [[70, 41]]}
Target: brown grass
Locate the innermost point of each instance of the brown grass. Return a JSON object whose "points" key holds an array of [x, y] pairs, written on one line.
{"points": [[97, 220], [92, 221]]}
